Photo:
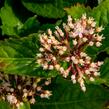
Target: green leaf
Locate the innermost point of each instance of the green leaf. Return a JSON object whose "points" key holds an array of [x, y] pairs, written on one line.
{"points": [[9, 20], [73, 2], [52, 9], [4, 105], [18, 56], [45, 27], [77, 11], [99, 1], [94, 51], [25, 106], [105, 71], [69, 96], [101, 13], [29, 27], [15, 23]]}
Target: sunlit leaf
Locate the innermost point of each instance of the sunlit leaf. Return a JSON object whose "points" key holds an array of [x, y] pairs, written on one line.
{"points": [[18, 56], [77, 11], [4, 105], [25, 106], [9, 20], [101, 13]]}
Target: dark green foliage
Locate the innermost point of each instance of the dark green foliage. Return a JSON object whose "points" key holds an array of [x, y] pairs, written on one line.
{"points": [[101, 13], [68, 96], [4, 105], [50, 10], [15, 23], [9, 19], [105, 71], [25, 105], [30, 26]]}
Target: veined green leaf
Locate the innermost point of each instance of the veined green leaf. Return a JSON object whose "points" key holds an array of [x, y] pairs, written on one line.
{"points": [[18, 56], [16, 24], [52, 9], [101, 13], [66, 95], [9, 20], [25, 105], [4, 105], [105, 71], [29, 27]]}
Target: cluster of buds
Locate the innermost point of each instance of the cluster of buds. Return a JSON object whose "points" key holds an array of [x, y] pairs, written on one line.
{"points": [[67, 46], [18, 89]]}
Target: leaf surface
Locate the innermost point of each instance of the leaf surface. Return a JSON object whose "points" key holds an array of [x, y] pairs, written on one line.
{"points": [[18, 56], [48, 9], [69, 96]]}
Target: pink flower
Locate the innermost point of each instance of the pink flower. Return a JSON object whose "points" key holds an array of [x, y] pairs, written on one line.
{"points": [[67, 46]]}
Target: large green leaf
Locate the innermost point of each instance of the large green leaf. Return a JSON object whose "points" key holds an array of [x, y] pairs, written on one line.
{"points": [[4, 105], [52, 9], [105, 72], [25, 106], [30, 26], [69, 96], [15, 23], [18, 56], [101, 13], [9, 20]]}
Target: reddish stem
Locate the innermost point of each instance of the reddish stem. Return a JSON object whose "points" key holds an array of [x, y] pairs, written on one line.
{"points": [[67, 36]]}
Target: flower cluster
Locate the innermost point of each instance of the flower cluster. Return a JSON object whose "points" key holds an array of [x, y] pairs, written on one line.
{"points": [[22, 89], [67, 46]]}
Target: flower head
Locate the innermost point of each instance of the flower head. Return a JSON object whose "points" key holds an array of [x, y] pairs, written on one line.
{"points": [[67, 46], [25, 88]]}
